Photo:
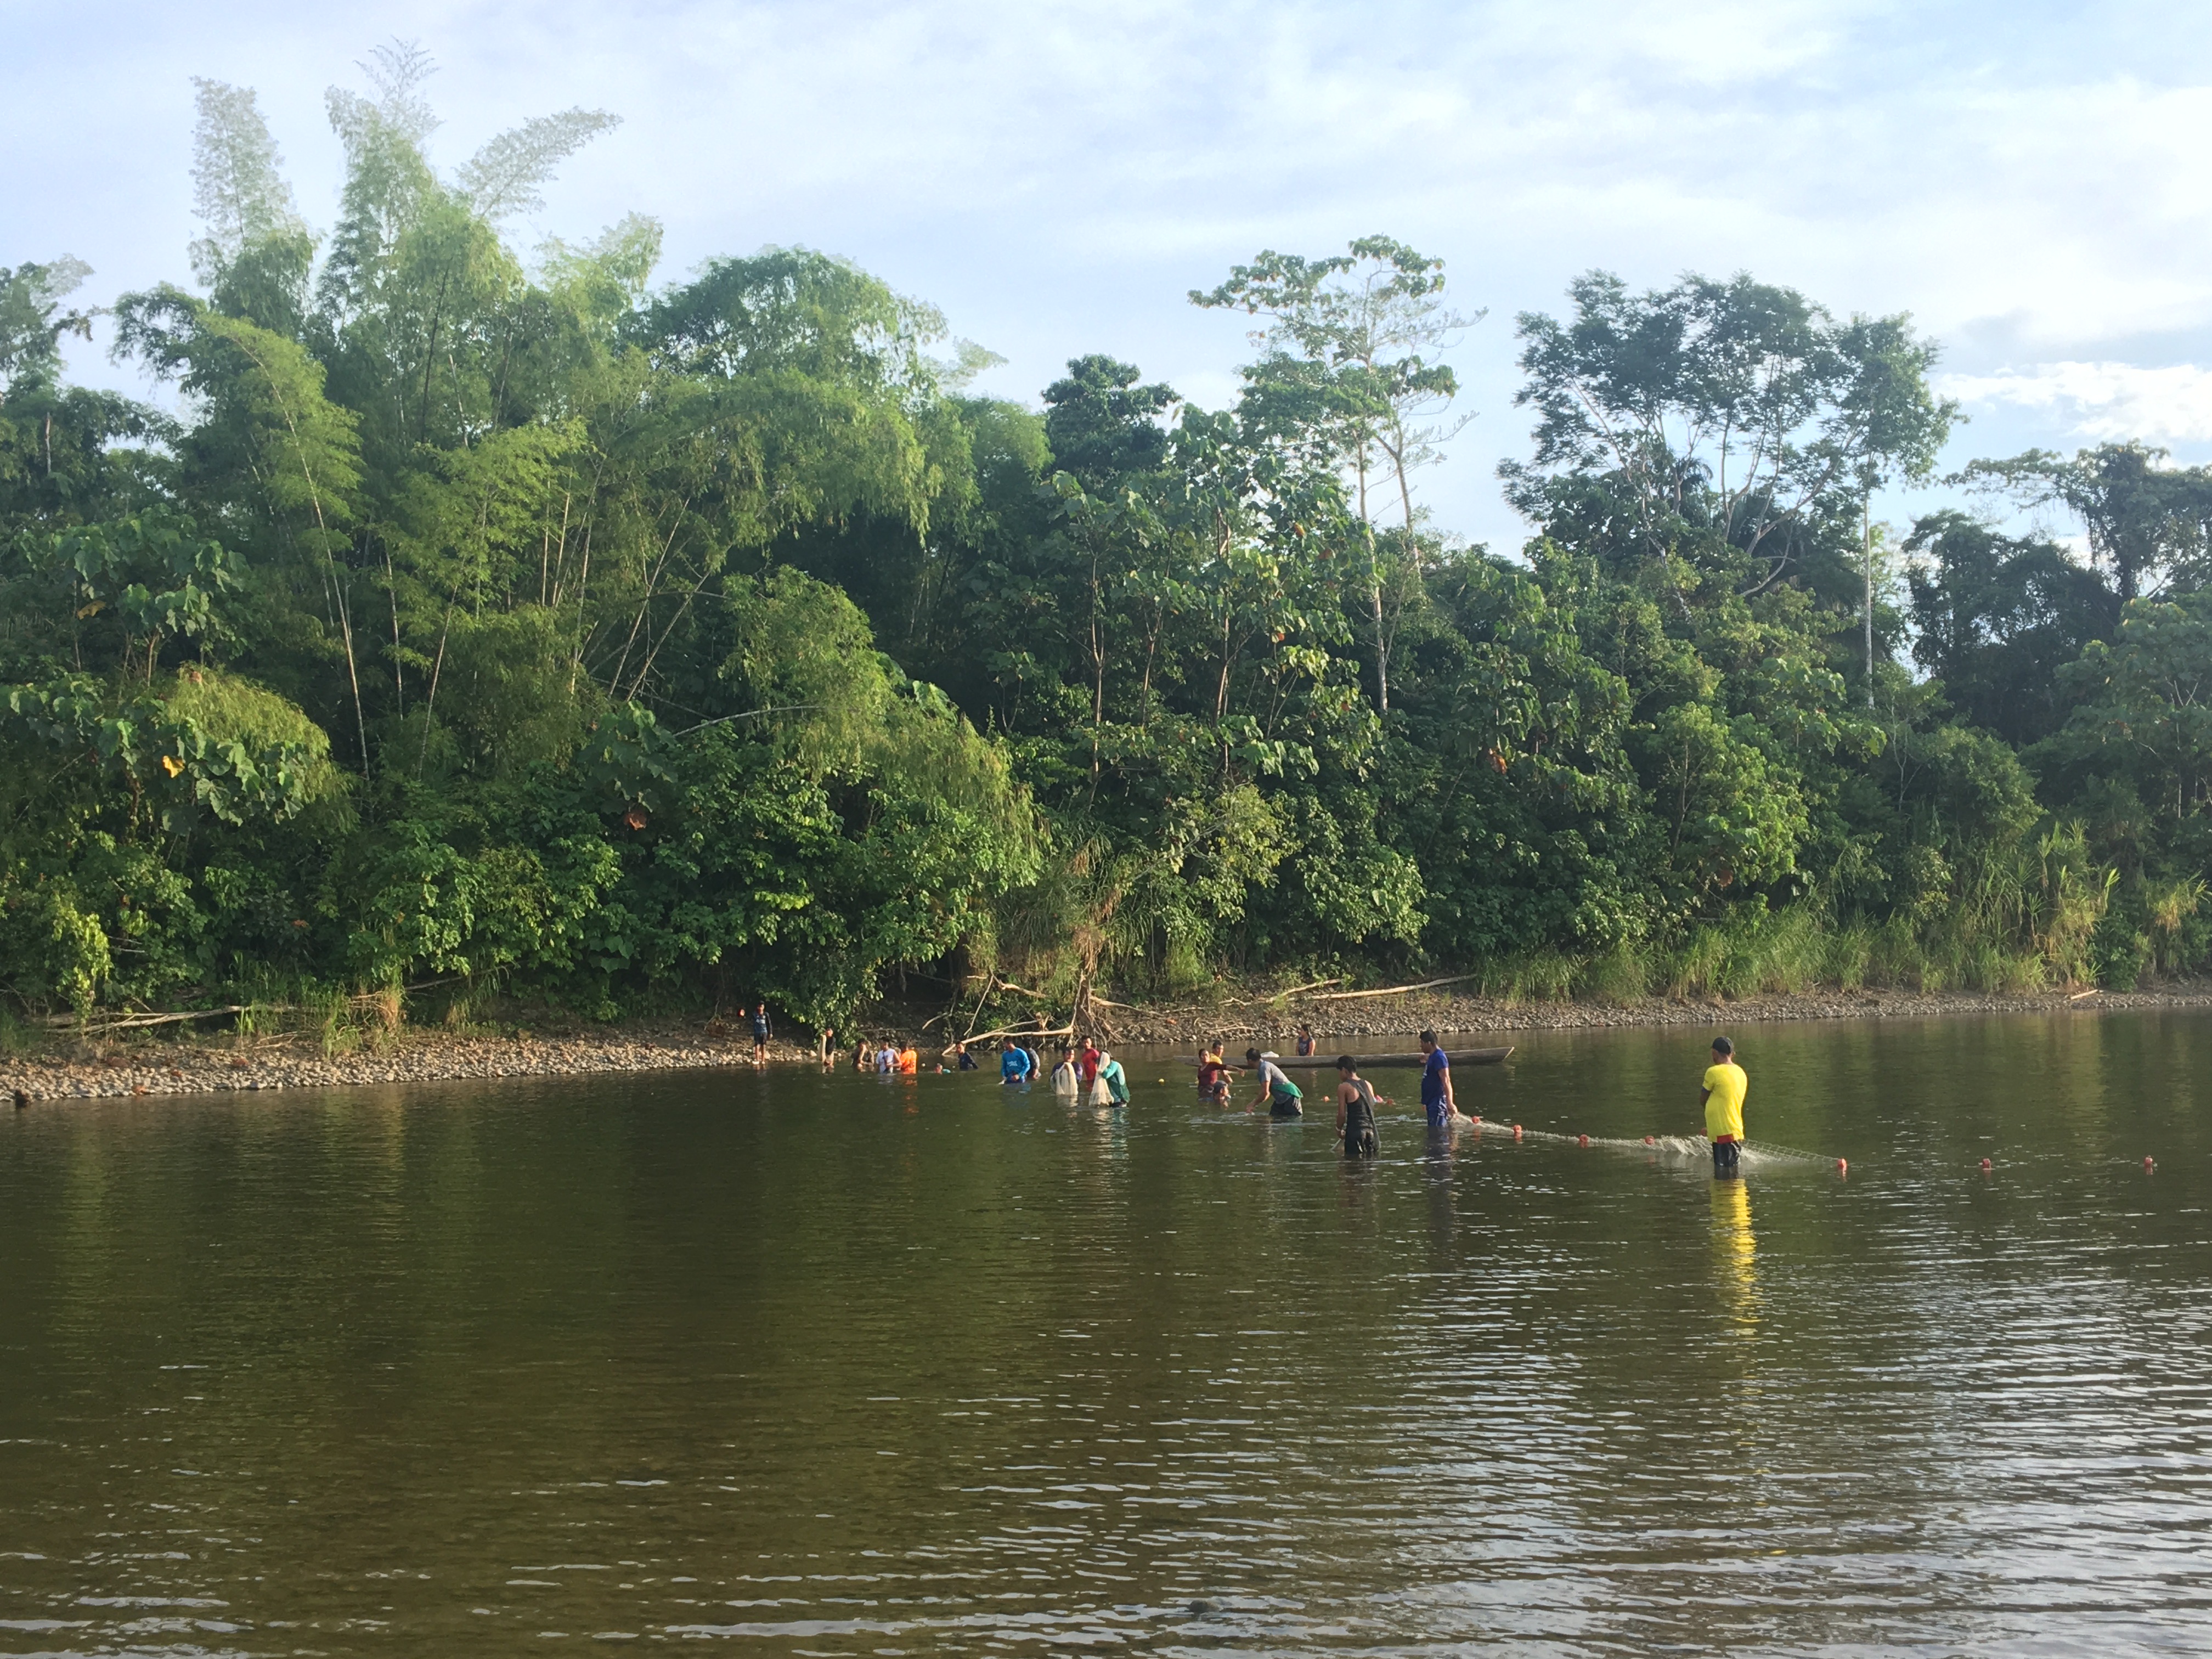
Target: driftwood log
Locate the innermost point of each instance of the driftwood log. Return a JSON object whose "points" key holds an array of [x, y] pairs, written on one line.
{"points": [[1320, 1062]]}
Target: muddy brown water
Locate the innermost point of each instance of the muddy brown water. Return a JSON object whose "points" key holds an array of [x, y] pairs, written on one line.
{"points": [[787, 1363]]}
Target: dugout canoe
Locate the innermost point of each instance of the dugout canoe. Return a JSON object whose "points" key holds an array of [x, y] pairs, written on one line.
{"points": [[1327, 1062]]}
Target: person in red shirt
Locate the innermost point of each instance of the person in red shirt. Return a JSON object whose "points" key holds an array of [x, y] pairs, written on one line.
{"points": [[1090, 1063]]}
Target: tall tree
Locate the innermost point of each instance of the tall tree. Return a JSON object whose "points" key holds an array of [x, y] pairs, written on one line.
{"points": [[2147, 523], [1732, 427], [1350, 362]]}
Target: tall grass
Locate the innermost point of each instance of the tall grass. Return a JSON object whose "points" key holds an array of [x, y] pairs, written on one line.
{"points": [[2011, 921]]}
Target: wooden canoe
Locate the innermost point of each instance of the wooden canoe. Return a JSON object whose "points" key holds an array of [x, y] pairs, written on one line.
{"points": [[1320, 1062]]}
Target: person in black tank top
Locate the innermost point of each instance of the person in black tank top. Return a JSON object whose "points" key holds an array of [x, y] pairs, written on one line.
{"points": [[1356, 1101]]}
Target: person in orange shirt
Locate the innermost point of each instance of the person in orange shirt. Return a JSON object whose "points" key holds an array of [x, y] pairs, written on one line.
{"points": [[909, 1061]]}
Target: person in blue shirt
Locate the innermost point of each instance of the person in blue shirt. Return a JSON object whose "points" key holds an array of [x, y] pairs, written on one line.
{"points": [[965, 1060], [1436, 1086], [1013, 1063]]}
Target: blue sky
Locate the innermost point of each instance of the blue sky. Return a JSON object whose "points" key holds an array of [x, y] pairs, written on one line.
{"points": [[2030, 180]]}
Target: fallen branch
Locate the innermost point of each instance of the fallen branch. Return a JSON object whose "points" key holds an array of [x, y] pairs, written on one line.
{"points": [[987, 1037], [1396, 990], [2092, 992], [134, 1021], [1278, 996]]}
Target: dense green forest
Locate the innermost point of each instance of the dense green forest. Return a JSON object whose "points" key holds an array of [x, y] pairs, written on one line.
{"points": [[492, 624]]}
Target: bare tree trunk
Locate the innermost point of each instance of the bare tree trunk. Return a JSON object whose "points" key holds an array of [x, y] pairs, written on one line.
{"points": [[330, 560], [1382, 641], [398, 672], [1374, 594], [1867, 530]]}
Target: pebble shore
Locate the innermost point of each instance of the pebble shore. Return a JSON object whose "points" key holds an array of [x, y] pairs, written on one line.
{"points": [[75, 1070], [414, 1056]]}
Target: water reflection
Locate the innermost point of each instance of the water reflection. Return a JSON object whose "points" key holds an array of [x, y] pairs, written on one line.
{"points": [[1736, 1254], [839, 1365]]}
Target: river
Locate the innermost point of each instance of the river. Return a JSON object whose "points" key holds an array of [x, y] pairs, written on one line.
{"points": [[784, 1363]]}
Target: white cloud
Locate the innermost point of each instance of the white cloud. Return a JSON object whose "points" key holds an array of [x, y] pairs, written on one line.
{"points": [[2101, 401], [1056, 173]]}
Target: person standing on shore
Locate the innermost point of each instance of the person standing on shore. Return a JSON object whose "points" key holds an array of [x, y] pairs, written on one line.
{"points": [[1436, 1098], [760, 1034], [1356, 1101], [1726, 1084]]}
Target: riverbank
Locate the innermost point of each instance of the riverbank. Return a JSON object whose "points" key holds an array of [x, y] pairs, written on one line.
{"points": [[75, 1068], [1453, 1014], [92, 1069]]}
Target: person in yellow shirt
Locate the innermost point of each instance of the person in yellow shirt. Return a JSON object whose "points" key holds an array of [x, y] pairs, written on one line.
{"points": [[1725, 1087]]}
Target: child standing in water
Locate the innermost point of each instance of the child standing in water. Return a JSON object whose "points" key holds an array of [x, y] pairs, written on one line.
{"points": [[1212, 1077], [1725, 1087]]}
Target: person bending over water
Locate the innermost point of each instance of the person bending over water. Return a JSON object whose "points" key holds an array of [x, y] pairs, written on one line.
{"points": [[1726, 1084], [1437, 1099], [1112, 1087], [1277, 1092], [1356, 1101]]}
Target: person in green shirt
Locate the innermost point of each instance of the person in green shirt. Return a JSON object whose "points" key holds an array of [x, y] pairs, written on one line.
{"points": [[1112, 1086], [1725, 1087], [1277, 1092]]}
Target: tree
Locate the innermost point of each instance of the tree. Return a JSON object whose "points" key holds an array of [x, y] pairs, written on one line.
{"points": [[1344, 369], [1995, 617], [2151, 525], [1735, 427]]}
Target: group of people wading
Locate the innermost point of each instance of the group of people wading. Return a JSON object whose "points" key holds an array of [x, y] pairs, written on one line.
{"points": [[1088, 1074], [1355, 1099]]}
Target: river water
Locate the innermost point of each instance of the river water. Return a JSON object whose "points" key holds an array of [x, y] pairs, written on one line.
{"points": [[783, 1363]]}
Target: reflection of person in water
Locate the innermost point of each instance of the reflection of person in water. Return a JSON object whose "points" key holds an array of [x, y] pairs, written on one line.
{"points": [[1736, 1254]]}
